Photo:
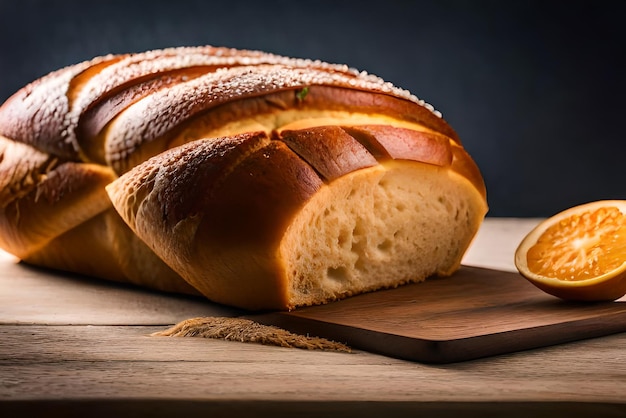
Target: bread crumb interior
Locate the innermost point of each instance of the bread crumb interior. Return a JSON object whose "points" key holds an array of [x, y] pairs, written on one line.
{"points": [[379, 227]]}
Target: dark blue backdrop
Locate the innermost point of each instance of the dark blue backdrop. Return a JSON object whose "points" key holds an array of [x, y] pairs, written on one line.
{"points": [[535, 89]]}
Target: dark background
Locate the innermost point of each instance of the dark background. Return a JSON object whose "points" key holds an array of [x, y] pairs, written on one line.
{"points": [[535, 89]]}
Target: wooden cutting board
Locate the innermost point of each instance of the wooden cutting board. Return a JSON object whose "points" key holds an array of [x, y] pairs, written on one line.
{"points": [[475, 313]]}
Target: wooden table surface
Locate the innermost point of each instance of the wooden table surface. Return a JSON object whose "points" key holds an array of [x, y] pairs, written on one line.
{"points": [[72, 346]]}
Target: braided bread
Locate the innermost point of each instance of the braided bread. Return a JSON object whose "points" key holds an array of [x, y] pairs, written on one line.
{"points": [[258, 181]]}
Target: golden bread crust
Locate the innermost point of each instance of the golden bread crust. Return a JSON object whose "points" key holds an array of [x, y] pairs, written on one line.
{"points": [[209, 155]]}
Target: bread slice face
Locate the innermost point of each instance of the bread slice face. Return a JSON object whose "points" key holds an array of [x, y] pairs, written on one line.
{"points": [[379, 227]]}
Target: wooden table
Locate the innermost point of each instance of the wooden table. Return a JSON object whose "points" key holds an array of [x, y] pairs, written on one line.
{"points": [[70, 346]]}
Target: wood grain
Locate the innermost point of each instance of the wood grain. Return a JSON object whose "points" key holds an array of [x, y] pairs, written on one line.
{"points": [[31, 295], [475, 313], [124, 363], [73, 347]]}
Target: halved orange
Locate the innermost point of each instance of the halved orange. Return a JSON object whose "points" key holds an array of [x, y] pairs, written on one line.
{"points": [[578, 254]]}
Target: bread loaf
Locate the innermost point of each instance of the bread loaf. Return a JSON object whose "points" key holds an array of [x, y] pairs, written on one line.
{"points": [[258, 181]]}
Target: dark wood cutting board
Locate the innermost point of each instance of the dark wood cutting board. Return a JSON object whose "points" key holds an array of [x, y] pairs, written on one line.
{"points": [[475, 313]]}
